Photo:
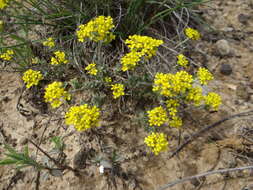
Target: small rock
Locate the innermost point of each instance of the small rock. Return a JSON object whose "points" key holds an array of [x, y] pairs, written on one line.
{"points": [[243, 18], [226, 69], [223, 47]]}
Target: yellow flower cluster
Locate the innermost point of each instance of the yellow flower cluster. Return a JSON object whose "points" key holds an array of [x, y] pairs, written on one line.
{"points": [[170, 103], [49, 42], [157, 116], [157, 142], [213, 100], [192, 33], [32, 78], [182, 61], [55, 94], [3, 3], [195, 95], [172, 84], [98, 29], [145, 45], [175, 121], [118, 90], [83, 117], [130, 60], [204, 75], [91, 68], [140, 47], [58, 58], [8, 55]]}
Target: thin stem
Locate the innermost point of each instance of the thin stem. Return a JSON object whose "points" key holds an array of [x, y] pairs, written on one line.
{"points": [[51, 158]]}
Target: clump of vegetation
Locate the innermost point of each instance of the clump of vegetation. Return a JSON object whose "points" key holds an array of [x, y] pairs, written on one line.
{"points": [[85, 49]]}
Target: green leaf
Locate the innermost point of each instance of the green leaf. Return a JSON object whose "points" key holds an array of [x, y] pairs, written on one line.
{"points": [[26, 151], [7, 161]]}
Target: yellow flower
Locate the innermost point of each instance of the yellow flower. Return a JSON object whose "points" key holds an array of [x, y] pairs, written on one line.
{"points": [[182, 61], [157, 116], [49, 42], [118, 90], [83, 117], [172, 103], [213, 100], [175, 121], [140, 47], [204, 75], [130, 60], [171, 85], [3, 3], [8, 55], [195, 95], [192, 33], [58, 58], [98, 29], [172, 111], [32, 78], [157, 142], [91, 68], [144, 45], [55, 94]]}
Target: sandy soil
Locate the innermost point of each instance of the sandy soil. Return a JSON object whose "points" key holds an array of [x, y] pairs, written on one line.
{"points": [[227, 146]]}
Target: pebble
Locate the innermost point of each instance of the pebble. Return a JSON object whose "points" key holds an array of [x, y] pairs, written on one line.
{"points": [[243, 18], [223, 47], [226, 69]]}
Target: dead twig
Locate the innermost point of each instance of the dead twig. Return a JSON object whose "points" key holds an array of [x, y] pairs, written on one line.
{"points": [[63, 167], [37, 181], [204, 174], [207, 128], [41, 138]]}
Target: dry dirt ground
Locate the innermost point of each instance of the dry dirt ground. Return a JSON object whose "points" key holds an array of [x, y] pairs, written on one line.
{"points": [[229, 145]]}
